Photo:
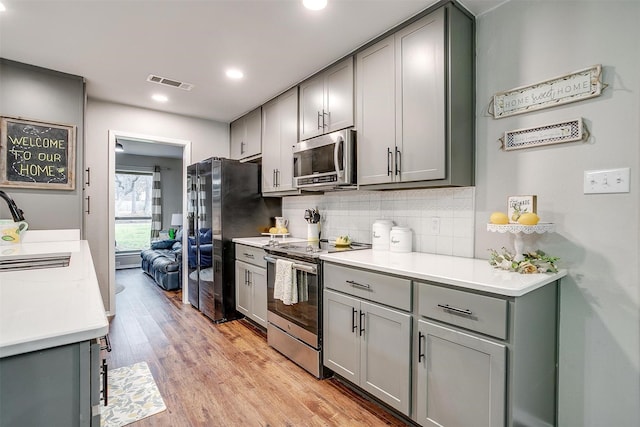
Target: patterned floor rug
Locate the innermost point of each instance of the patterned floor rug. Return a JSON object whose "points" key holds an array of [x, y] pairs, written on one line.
{"points": [[133, 395]]}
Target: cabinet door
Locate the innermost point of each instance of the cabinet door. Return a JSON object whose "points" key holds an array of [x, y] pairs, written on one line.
{"points": [[311, 106], [375, 120], [420, 91], [258, 279], [288, 105], [237, 131], [271, 145], [338, 96], [461, 378], [341, 339], [253, 137], [385, 368], [243, 288]]}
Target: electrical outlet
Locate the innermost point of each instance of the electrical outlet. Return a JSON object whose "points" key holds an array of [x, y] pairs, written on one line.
{"points": [[435, 225], [606, 181]]}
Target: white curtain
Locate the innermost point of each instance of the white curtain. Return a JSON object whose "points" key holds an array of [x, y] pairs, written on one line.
{"points": [[156, 204]]}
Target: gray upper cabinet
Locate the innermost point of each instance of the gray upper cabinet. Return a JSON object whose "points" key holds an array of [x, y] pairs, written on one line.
{"points": [[279, 137], [326, 101], [414, 103], [246, 135]]}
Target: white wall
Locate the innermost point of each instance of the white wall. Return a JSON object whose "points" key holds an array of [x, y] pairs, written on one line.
{"points": [[524, 42], [208, 138]]}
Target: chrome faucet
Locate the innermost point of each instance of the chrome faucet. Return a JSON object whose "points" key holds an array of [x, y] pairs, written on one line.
{"points": [[16, 212]]}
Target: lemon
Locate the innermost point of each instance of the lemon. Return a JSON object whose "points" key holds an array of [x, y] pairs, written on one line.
{"points": [[528, 219], [283, 230], [343, 240], [499, 218], [273, 230]]}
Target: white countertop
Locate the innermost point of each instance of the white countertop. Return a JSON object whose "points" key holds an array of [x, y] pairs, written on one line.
{"points": [[259, 242], [50, 307], [467, 273]]}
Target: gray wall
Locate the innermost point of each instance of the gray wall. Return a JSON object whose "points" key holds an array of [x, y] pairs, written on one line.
{"points": [[43, 95], [524, 42], [170, 179]]}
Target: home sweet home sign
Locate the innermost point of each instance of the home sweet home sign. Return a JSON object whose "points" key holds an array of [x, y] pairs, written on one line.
{"points": [[572, 87], [36, 154]]}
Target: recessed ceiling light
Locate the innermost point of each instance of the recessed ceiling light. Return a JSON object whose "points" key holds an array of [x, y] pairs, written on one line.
{"points": [[314, 4], [2, 8], [234, 73], [159, 98]]}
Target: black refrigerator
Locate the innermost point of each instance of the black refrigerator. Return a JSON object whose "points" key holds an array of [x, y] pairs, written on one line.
{"points": [[224, 202]]}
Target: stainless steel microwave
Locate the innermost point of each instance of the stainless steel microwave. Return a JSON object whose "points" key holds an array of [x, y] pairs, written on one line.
{"points": [[326, 161]]}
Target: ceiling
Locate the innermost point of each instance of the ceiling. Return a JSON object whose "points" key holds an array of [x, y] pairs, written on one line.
{"points": [[115, 45]]}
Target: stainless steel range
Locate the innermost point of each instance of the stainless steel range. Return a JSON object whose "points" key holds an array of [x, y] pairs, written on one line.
{"points": [[295, 330]]}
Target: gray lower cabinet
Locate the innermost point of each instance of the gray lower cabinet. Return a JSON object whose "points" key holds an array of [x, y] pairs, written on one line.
{"points": [[468, 368], [441, 355], [369, 345], [59, 386], [251, 283], [485, 360]]}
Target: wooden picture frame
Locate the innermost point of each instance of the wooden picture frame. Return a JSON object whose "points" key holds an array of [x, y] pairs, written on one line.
{"points": [[35, 154]]}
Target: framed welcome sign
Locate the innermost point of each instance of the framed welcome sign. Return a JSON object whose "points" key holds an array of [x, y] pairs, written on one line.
{"points": [[35, 154]]}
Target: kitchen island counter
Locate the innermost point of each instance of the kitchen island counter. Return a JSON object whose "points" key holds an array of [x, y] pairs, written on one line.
{"points": [[50, 307], [467, 273]]}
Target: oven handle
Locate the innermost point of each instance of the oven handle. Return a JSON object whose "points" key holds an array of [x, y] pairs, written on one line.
{"points": [[301, 267]]}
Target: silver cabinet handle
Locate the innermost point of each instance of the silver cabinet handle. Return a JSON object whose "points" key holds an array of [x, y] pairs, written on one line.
{"points": [[388, 161], [448, 307], [319, 120], [88, 183], [398, 161], [242, 148], [248, 255], [358, 285]]}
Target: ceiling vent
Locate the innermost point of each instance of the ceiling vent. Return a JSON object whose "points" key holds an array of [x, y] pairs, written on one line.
{"points": [[169, 82]]}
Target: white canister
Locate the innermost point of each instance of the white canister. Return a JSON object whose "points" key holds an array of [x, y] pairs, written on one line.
{"points": [[401, 239], [380, 234]]}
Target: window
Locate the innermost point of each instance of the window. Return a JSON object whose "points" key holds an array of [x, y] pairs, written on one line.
{"points": [[133, 210]]}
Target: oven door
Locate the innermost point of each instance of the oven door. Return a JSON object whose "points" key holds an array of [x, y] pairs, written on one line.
{"points": [[306, 312]]}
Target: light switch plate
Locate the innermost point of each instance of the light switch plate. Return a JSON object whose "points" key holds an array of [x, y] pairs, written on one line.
{"points": [[606, 181]]}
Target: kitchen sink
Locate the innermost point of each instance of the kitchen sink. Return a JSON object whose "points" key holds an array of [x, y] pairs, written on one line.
{"points": [[20, 261]]}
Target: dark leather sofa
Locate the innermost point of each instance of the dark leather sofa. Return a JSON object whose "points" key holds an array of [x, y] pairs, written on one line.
{"points": [[162, 262]]}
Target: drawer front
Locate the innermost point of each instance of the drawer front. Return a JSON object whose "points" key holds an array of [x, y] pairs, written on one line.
{"points": [[478, 313], [251, 255], [388, 290]]}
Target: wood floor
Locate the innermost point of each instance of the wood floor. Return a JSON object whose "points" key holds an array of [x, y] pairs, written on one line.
{"points": [[222, 374]]}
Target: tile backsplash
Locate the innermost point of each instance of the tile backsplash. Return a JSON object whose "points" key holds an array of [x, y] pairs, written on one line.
{"points": [[442, 219]]}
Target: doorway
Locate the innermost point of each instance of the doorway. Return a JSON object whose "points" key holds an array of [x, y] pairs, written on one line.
{"points": [[140, 155]]}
